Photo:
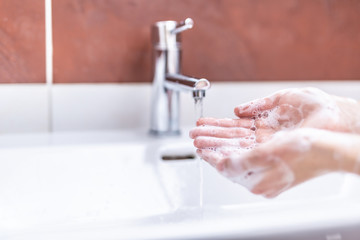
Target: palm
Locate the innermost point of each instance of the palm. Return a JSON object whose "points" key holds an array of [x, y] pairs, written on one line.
{"points": [[290, 109]]}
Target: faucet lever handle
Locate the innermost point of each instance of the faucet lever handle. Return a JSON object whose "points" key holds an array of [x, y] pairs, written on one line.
{"points": [[182, 26]]}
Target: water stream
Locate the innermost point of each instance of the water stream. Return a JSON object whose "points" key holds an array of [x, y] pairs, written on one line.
{"points": [[199, 114]]}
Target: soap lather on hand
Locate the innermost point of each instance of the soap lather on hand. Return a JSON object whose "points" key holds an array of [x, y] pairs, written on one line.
{"points": [[282, 140]]}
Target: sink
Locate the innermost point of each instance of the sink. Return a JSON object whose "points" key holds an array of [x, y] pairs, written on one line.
{"points": [[116, 185]]}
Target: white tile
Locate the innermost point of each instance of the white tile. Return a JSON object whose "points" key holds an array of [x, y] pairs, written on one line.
{"points": [[23, 108], [100, 106]]}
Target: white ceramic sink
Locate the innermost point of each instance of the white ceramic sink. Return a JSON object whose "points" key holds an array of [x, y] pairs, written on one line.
{"points": [[114, 185]]}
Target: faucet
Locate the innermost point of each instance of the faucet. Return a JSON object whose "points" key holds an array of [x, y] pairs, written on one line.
{"points": [[167, 78]]}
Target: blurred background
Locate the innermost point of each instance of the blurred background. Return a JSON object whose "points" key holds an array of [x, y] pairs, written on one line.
{"points": [[108, 41]]}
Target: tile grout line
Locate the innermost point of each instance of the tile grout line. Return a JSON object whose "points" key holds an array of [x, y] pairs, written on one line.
{"points": [[49, 60]]}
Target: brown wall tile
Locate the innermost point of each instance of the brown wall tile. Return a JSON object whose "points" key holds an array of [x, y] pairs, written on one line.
{"points": [[109, 40], [22, 41]]}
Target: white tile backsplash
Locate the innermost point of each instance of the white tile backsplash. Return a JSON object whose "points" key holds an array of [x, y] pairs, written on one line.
{"points": [[24, 108], [82, 107], [100, 106]]}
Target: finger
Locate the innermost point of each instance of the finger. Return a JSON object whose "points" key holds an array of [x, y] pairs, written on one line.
{"points": [[235, 151], [253, 108], [220, 132], [210, 156], [212, 142], [214, 158], [225, 122]]}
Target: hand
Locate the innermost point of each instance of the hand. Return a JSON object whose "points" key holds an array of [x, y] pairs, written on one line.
{"points": [[283, 140], [288, 159], [295, 108]]}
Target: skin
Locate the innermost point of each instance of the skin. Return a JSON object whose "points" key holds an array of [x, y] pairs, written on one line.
{"points": [[312, 133], [299, 108]]}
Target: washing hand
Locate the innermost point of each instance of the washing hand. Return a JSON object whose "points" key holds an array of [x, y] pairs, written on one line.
{"points": [[275, 144], [286, 160], [307, 107]]}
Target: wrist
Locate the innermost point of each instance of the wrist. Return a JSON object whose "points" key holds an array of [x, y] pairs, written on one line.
{"points": [[326, 154], [322, 151], [342, 151]]}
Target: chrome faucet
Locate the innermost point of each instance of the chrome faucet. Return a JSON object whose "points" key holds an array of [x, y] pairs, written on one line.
{"points": [[168, 81]]}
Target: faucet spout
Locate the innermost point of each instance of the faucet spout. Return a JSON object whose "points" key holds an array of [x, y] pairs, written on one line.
{"points": [[179, 82]]}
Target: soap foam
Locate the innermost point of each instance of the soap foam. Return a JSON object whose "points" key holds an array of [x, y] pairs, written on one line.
{"points": [[270, 118], [324, 104], [239, 169], [251, 176], [286, 119], [301, 139], [291, 116], [285, 180]]}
